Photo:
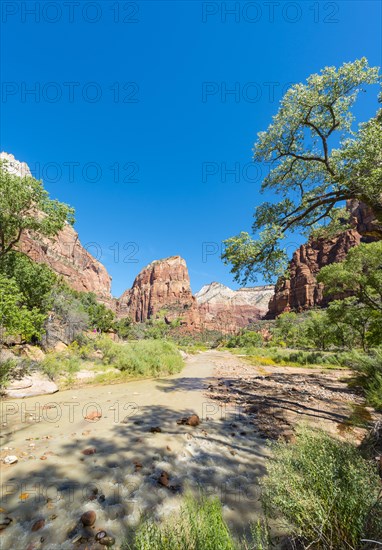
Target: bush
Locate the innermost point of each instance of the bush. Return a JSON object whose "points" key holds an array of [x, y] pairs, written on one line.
{"points": [[247, 339], [199, 526], [56, 364], [324, 490], [369, 368], [6, 368], [144, 358]]}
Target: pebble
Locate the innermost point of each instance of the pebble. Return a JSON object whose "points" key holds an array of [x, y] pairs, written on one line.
{"points": [[39, 524], [89, 451], [155, 430], [4, 521], [88, 518], [10, 459], [164, 479], [107, 541]]}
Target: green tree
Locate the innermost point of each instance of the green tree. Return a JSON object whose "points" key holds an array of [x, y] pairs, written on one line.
{"points": [[318, 330], [15, 318], [317, 161], [100, 317], [360, 274], [25, 206], [289, 328], [363, 324], [35, 280]]}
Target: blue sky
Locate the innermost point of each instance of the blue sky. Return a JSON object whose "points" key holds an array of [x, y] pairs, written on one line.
{"points": [[132, 122]]}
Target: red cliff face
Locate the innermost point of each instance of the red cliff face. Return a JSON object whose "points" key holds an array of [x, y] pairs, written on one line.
{"points": [[227, 310], [165, 285], [301, 291], [162, 285], [65, 255]]}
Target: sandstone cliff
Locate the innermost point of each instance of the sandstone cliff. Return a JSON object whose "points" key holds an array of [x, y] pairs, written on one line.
{"points": [[165, 285], [162, 285], [228, 310], [64, 253], [301, 290]]}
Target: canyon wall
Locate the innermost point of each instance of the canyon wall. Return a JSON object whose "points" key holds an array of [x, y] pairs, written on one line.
{"points": [[162, 285], [63, 253], [301, 290], [227, 310], [165, 285]]}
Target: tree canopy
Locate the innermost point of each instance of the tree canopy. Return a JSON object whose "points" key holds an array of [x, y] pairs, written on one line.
{"points": [[25, 205], [317, 161]]}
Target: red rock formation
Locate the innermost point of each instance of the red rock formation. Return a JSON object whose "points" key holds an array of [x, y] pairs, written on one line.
{"points": [[227, 310], [301, 291], [162, 285], [65, 255]]}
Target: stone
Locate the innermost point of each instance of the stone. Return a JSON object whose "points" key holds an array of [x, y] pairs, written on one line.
{"points": [[60, 346], [33, 352], [10, 459], [39, 524], [164, 479], [192, 420], [107, 541], [155, 429], [30, 386], [88, 518], [4, 521], [89, 451], [93, 416]]}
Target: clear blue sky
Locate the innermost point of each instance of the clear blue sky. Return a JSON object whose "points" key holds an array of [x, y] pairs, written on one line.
{"points": [[160, 129]]}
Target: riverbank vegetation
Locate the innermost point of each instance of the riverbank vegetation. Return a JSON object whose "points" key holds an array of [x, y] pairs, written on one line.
{"points": [[319, 491]]}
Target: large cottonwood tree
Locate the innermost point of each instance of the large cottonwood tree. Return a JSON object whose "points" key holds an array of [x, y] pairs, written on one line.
{"points": [[316, 160]]}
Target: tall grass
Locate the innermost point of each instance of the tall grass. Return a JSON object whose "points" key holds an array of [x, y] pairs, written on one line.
{"points": [[369, 369], [199, 526], [323, 491], [142, 358]]}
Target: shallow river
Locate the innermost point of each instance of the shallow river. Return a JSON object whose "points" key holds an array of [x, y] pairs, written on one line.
{"points": [[55, 481]]}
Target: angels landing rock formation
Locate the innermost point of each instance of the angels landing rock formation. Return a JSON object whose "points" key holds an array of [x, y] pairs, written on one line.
{"points": [[162, 285], [64, 253], [165, 285], [227, 310]]}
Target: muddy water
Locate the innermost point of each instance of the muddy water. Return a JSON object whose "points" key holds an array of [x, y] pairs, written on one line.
{"points": [[55, 481]]}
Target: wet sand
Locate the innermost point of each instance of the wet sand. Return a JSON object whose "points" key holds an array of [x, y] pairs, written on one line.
{"points": [[53, 480]]}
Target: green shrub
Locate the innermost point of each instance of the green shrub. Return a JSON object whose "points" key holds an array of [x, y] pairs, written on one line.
{"points": [[6, 368], [144, 358], [199, 526], [63, 363], [369, 369], [247, 340], [324, 491]]}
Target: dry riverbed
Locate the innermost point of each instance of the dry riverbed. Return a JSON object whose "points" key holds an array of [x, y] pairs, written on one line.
{"points": [[119, 452]]}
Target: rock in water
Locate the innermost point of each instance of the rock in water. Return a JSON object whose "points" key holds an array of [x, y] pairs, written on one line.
{"points": [[164, 479], [39, 524], [88, 518]]}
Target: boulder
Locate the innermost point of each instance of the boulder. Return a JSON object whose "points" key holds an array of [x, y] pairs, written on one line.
{"points": [[30, 386]]}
